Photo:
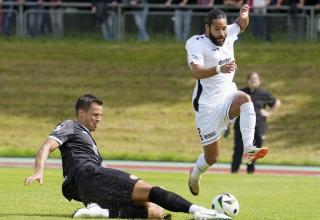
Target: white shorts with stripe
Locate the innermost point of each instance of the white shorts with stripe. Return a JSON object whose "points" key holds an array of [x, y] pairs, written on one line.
{"points": [[211, 122]]}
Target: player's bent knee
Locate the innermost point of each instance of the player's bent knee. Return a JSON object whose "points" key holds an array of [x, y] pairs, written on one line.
{"points": [[245, 98], [241, 99], [141, 191], [143, 185]]}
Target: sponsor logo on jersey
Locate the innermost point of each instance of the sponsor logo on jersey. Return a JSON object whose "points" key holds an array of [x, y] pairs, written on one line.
{"points": [[59, 127], [227, 60]]}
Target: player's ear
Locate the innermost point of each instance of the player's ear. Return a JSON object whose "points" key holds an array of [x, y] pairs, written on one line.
{"points": [[80, 113], [207, 28]]}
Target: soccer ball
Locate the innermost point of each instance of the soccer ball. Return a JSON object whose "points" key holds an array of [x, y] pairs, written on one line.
{"points": [[226, 203]]}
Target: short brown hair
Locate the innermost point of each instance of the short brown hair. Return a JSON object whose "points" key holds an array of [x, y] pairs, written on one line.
{"points": [[84, 102]]}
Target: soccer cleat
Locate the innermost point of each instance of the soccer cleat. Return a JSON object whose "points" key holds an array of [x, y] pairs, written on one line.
{"points": [[93, 210], [254, 153], [194, 184], [210, 214]]}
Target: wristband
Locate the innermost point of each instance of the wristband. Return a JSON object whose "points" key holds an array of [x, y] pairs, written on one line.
{"points": [[218, 69]]}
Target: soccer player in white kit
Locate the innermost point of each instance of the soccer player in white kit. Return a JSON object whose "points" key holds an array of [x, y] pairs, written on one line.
{"points": [[216, 100]]}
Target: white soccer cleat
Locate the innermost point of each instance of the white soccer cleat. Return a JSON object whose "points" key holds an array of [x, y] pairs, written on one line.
{"points": [[210, 214], [254, 153], [92, 210], [194, 184]]}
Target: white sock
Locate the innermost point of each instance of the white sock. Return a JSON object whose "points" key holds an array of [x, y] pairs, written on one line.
{"points": [[247, 124], [195, 208], [200, 167]]}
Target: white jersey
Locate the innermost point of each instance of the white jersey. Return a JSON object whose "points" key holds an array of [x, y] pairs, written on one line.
{"points": [[201, 50]]}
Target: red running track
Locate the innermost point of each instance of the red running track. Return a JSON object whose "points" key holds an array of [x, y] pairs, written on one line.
{"points": [[173, 167]]}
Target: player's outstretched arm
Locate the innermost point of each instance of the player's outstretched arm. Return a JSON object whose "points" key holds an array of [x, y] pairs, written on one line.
{"points": [[243, 19], [49, 146]]}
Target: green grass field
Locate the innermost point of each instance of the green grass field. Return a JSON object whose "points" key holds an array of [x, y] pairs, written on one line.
{"points": [[261, 197], [147, 92]]}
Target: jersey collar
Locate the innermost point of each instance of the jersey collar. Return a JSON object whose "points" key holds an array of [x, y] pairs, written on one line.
{"points": [[84, 127]]}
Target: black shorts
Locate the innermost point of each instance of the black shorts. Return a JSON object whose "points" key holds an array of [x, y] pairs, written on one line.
{"points": [[110, 188]]}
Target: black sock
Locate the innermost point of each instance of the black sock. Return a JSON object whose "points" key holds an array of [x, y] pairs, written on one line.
{"points": [[169, 200], [129, 212]]}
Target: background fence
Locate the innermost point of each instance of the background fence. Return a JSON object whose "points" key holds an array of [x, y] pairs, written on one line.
{"points": [[76, 19]]}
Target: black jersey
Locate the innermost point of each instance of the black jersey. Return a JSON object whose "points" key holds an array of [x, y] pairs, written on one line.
{"points": [[77, 146], [261, 99]]}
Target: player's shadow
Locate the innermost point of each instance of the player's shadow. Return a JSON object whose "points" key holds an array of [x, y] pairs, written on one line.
{"points": [[35, 215]]}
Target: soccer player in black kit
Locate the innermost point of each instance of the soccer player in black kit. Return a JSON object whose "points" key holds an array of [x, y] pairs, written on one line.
{"points": [[105, 192]]}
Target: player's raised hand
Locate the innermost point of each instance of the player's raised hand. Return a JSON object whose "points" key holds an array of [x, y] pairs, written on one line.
{"points": [[36, 176], [244, 11], [228, 67]]}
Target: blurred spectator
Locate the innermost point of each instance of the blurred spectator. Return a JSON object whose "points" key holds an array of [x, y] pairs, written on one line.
{"points": [[35, 17], [182, 19], [317, 6], [140, 17], [295, 20], [106, 15], [258, 19], [233, 3], [56, 18], [270, 21], [261, 100], [205, 3], [7, 16], [1, 16], [317, 11], [208, 3]]}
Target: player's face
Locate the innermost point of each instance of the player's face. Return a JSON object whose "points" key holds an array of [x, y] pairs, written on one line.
{"points": [[254, 81], [217, 31], [92, 117]]}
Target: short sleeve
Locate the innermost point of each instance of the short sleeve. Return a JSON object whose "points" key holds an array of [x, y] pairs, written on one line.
{"points": [[269, 99], [233, 31], [62, 132], [194, 52]]}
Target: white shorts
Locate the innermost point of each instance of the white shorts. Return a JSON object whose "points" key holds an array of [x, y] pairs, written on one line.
{"points": [[211, 122]]}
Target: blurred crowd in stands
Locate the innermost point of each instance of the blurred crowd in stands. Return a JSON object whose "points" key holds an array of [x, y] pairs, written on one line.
{"points": [[106, 14]]}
